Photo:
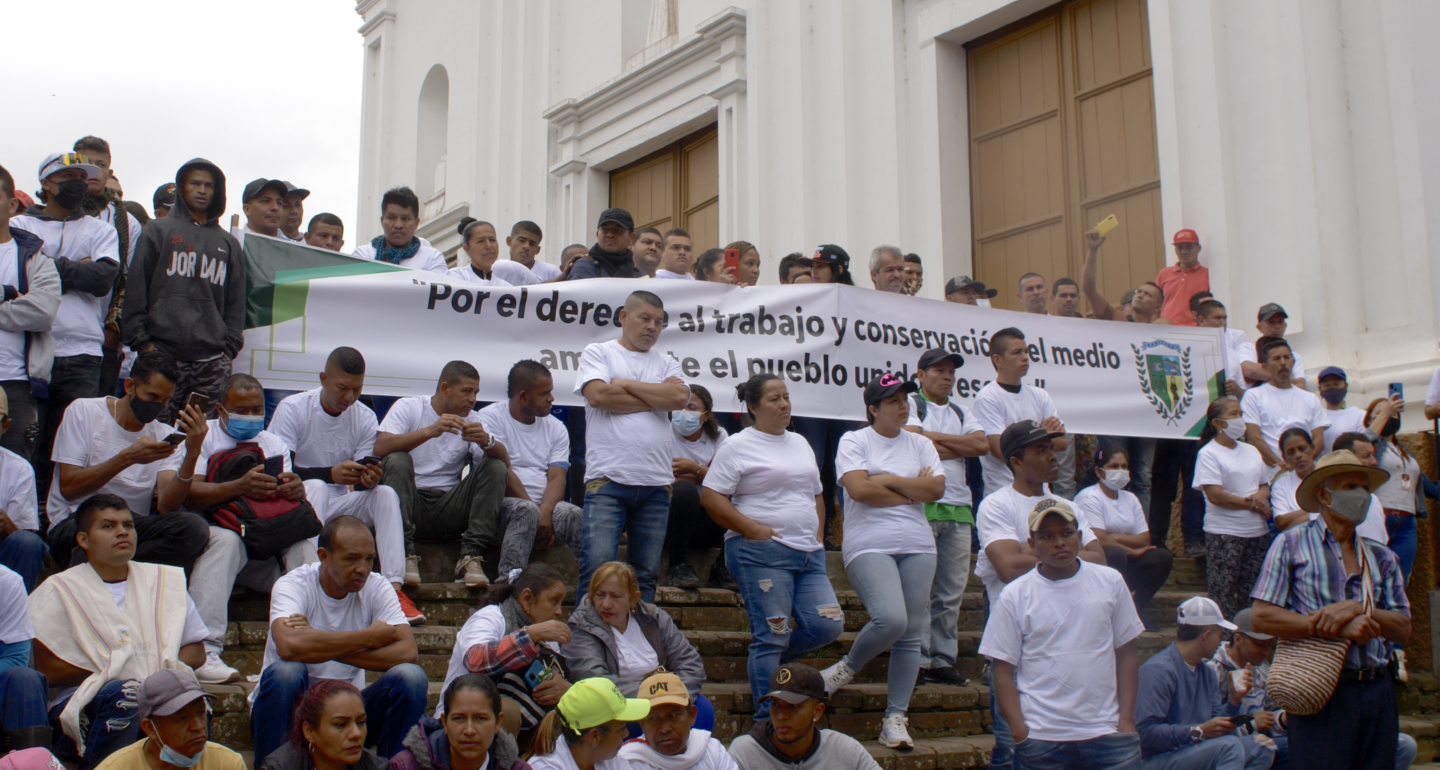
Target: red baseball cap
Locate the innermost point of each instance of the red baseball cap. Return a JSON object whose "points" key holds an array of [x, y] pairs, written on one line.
{"points": [[1186, 236]]}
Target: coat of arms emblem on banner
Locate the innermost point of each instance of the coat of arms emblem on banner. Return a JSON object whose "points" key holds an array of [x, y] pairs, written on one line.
{"points": [[1166, 377]]}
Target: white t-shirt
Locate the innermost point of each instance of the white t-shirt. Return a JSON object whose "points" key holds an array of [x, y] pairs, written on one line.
{"points": [[195, 630], [89, 435], [320, 439], [940, 418], [17, 490], [12, 344], [217, 440], [631, 449], [15, 623], [1005, 515], [635, 657], [772, 481], [78, 324], [1351, 419], [894, 529], [996, 409], [1061, 635], [560, 759], [427, 257], [1432, 396], [299, 592], [465, 274], [440, 460], [663, 273], [520, 275], [1239, 471], [702, 450], [1276, 409], [486, 626], [1121, 516], [107, 215], [533, 448]]}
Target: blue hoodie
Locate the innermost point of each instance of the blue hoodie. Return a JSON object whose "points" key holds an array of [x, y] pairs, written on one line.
{"points": [[1172, 699]]}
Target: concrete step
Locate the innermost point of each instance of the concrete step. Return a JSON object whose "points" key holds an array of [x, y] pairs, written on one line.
{"points": [[934, 753]]}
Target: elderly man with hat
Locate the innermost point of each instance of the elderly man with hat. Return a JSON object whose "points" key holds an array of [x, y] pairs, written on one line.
{"points": [[1314, 584], [611, 256], [292, 212], [791, 739], [174, 714], [967, 291], [1184, 279], [831, 264], [671, 742]]}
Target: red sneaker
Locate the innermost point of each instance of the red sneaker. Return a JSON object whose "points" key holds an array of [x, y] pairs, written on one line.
{"points": [[412, 614]]}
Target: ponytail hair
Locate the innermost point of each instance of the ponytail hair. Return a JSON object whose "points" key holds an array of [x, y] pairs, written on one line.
{"points": [[551, 729], [710, 426], [748, 393], [536, 578], [312, 703], [1212, 413], [467, 226]]}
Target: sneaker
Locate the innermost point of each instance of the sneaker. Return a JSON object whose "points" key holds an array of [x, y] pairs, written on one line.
{"points": [[412, 615], [1400, 671], [1194, 550], [215, 671], [893, 732], [683, 576], [412, 570], [945, 675], [837, 676], [470, 570], [921, 678], [720, 577]]}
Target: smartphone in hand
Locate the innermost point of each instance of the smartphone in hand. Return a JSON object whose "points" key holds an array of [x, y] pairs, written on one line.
{"points": [[274, 466], [732, 260], [199, 401], [370, 460], [174, 438]]}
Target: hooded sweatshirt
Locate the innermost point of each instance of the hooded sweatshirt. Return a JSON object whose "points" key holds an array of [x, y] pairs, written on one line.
{"points": [[830, 751], [603, 264], [31, 300], [186, 289]]}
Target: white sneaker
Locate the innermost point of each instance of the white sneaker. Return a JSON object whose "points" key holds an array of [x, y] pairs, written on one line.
{"points": [[1401, 672], [893, 732], [412, 570], [215, 671], [470, 570], [837, 676]]}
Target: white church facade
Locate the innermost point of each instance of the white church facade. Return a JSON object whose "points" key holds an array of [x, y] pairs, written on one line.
{"points": [[1301, 139]]}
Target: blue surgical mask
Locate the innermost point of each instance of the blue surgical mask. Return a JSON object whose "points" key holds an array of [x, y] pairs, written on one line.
{"points": [[685, 423], [243, 427], [177, 759]]}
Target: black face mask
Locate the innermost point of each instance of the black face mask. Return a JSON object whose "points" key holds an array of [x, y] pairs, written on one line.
{"points": [[145, 411], [1334, 396], [71, 194], [1391, 428]]}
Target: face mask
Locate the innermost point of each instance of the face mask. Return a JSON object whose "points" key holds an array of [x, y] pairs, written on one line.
{"points": [[1352, 504], [145, 411], [1117, 479], [1391, 428], [1234, 429], [685, 423], [243, 427], [177, 759], [1334, 396], [71, 194]]}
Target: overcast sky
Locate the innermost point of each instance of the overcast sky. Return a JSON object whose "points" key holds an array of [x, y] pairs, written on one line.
{"points": [[261, 87]]}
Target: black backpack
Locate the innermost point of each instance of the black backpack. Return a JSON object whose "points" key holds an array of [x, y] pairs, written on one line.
{"points": [[920, 404], [266, 527]]}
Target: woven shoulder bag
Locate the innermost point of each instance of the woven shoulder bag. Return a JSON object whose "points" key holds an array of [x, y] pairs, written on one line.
{"points": [[1306, 671]]}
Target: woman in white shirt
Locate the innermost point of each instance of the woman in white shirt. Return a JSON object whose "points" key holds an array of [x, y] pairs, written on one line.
{"points": [[1400, 496], [1118, 521], [697, 437], [1298, 451], [1236, 484], [889, 474], [764, 488], [586, 729]]}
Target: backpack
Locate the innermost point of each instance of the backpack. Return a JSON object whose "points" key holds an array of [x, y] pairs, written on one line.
{"points": [[920, 404], [266, 527]]}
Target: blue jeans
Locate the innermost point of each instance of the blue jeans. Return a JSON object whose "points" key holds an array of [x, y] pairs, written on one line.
{"points": [[896, 591], [22, 698], [939, 644], [24, 552], [612, 509], [1228, 752], [393, 705], [777, 583], [113, 725], [1117, 751], [1002, 755], [1402, 541]]}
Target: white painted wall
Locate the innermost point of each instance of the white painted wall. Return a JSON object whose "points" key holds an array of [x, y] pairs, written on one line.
{"points": [[1292, 136]]}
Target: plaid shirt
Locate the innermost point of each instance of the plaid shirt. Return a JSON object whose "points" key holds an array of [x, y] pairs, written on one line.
{"points": [[1305, 571], [508, 653]]}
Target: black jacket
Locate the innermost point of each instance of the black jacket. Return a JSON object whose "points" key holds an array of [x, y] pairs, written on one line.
{"points": [[603, 264], [288, 757], [185, 291]]}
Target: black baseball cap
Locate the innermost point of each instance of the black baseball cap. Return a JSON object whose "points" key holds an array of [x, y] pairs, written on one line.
{"points": [[1269, 311], [885, 386], [831, 254], [164, 195], [966, 282], [253, 189], [934, 356], [796, 683], [619, 217], [291, 189], [1022, 434]]}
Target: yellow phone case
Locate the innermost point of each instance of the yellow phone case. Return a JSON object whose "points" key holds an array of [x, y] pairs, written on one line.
{"points": [[1107, 224]]}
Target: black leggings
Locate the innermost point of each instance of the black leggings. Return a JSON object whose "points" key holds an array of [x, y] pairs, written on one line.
{"points": [[690, 525], [1144, 574]]}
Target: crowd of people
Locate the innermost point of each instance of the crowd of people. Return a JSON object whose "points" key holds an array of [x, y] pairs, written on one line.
{"points": [[155, 479]]}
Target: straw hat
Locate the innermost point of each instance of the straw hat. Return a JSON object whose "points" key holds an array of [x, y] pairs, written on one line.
{"points": [[1343, 461]]}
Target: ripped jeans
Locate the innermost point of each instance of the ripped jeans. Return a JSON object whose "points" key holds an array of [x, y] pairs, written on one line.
{"points": [[108, 721], [790, 603]]}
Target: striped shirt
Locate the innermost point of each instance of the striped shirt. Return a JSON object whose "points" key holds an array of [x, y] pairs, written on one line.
{"points": [[1305, 571]]}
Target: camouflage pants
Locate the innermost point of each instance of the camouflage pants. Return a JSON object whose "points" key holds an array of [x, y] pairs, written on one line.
{"points": [[206, 377]]}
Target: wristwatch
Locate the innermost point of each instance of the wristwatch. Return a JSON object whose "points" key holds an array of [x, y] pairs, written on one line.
{"points": [[1196, 734]]}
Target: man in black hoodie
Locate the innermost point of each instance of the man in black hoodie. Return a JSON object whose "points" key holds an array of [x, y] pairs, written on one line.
{"points": [[186, 294], [610, 257]]}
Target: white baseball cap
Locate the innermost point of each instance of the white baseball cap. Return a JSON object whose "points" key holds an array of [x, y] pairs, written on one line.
{"points": [[62, 160], [1202, 611]]}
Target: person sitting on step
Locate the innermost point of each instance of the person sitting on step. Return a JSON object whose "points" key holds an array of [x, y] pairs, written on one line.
{"points": [[23, 690], [427, 444], [174, 716], [791, 738], [336, 620], [330, 728], [586, 729], [697, 437], [99, 608], [468, 734], [671, 742]]}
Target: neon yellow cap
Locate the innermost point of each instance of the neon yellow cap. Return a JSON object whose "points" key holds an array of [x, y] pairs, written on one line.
{"points": [[593, 702]]}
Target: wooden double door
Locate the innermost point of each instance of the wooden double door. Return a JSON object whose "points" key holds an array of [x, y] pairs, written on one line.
{"points": [[677, 186]]}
